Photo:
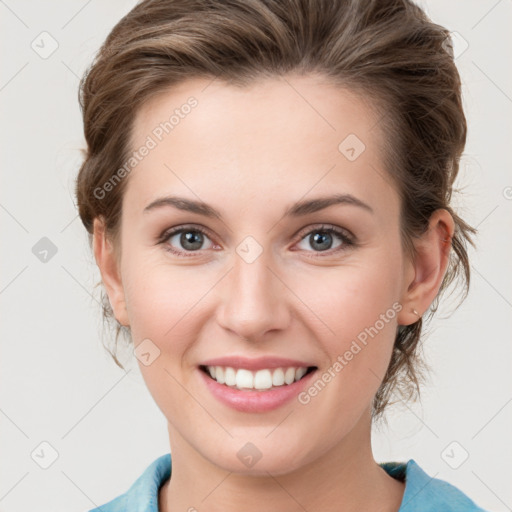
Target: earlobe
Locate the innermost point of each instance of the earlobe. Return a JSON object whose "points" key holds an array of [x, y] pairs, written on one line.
{"points": [[110, 273], [426, 273]]}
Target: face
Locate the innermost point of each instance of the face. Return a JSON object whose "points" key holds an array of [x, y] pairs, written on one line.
{"points": [[265, 282]]}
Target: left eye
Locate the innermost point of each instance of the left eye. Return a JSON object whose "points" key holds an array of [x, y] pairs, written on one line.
{"points": [[322, 237]]}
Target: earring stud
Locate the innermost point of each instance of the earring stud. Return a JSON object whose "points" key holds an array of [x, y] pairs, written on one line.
{"points": [[416, 313]]}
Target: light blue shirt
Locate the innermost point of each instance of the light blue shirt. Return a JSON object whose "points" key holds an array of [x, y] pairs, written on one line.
{"points": [[422, 493]]}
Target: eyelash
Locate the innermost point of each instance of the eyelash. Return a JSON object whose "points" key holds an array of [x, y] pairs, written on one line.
{"points": [[348, 241]]}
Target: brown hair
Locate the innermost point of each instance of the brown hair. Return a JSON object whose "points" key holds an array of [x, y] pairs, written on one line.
{"points": [[388, 50]]}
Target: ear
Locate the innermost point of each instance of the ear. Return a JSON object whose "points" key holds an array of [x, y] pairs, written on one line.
{"points": [[110, 273], [423, 277]]}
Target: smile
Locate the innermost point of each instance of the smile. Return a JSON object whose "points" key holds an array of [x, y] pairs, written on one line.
{"points": [[261, 380], [271, 383]]}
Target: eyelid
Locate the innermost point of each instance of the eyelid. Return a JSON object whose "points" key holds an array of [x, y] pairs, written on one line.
{"points": [[323, 226], [182, 227]]}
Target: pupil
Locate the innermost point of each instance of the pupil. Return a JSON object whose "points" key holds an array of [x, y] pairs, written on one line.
{"points": [[320, 238], [189, 238]]}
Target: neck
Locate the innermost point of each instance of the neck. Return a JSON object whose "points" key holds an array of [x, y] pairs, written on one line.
{"points": [[346, 478]]}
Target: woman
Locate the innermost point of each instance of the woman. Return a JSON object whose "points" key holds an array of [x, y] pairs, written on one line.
{"points": [[225, 141]]}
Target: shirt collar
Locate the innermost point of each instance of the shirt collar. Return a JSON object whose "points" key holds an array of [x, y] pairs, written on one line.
{"points": [[422, 492]]}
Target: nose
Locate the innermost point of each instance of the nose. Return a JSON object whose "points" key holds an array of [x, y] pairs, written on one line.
{"points": [[254, 299]]}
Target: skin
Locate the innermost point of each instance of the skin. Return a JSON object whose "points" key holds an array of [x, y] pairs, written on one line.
{"points": [[251, 153]]}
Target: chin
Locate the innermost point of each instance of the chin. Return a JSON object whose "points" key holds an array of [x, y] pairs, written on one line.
{"points": [[260, 459]]}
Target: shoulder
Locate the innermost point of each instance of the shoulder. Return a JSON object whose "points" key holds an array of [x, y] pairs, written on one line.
{"points": [[424, 493], [142, 496]]}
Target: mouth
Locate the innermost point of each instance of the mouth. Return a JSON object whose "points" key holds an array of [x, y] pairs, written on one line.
{"points": [[264, 379], [255, 385]]}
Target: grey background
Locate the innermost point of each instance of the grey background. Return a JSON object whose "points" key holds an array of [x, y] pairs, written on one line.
{"points": [[59, 386]]}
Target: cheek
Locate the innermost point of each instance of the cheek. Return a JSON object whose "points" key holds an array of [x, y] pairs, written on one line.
{"points": [[159, 296], [162, 304], [350, 298], [358, 309]]}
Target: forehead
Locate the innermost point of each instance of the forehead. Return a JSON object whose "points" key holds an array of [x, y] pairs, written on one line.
{"points": [[276, 137]]}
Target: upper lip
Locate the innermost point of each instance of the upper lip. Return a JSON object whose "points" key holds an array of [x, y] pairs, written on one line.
{"points": [[258, 363]]}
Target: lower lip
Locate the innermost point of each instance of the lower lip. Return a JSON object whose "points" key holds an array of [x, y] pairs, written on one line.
{"points": [[255, 401]]}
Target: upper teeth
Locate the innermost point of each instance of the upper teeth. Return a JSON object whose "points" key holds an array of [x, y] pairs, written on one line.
{"points": [[262, 379]]}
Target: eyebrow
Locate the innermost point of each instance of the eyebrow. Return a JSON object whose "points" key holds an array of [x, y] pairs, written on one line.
{"points": [[298, 209]]}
